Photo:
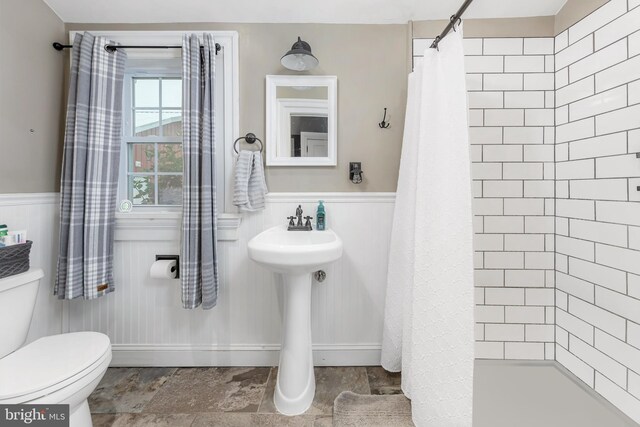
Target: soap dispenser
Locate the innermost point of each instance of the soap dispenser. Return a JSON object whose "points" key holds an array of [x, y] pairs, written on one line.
{"points": [[320, 217]]}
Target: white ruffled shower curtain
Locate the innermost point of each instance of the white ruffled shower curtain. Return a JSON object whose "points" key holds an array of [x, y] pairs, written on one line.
{"points": [[429, 322]]}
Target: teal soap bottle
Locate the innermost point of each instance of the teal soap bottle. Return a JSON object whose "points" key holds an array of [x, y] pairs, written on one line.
{"points": [[321, 223]]}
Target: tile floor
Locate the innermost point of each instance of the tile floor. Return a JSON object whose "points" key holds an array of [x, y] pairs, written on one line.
{"points": [[176, 397], [506, 394]]}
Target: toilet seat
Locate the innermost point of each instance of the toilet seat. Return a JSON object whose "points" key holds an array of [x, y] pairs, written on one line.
{"points": [[50, 364]]}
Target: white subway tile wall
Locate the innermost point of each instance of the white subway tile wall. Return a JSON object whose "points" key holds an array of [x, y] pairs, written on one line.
{"points": [[597, 331], [510, 83], [554, 132]]}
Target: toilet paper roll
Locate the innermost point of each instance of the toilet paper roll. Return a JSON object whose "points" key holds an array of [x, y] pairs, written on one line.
{"points": [[164, 269]]}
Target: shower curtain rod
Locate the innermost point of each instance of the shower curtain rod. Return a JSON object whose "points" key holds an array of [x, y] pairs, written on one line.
{"points": [[452, 22], [112, 48]]}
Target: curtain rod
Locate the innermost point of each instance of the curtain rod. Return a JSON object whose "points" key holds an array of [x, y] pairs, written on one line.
{"points": [[452, 22], [112, 48]]}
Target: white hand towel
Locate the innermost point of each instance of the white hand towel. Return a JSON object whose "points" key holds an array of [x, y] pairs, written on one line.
{"points": [[250, 186]]}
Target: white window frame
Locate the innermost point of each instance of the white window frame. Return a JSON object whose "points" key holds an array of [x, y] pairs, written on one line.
{"points": [[128, 137], [228, 41], [154, 225]]}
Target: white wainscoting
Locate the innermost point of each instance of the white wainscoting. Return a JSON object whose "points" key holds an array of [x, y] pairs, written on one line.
{"points": [[38, 214], [148, 326]]}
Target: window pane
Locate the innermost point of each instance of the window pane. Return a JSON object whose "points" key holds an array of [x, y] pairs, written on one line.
{"points": [[146, 123], [146, 93], [171, 93], [169, 157], [169, 189], [171, 122], [141, 158], [142, 190]]}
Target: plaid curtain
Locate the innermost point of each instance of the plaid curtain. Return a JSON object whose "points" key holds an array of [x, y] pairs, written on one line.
{"points": [[198, 263], [89, 181]]}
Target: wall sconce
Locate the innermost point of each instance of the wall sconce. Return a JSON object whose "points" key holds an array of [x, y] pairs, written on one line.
{"points": [[299, 58]]}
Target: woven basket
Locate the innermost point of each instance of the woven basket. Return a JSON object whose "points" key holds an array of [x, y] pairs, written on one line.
{"points": [[14, 259]]}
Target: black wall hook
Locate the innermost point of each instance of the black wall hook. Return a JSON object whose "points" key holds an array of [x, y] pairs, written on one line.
{"points": [[383, 124]]}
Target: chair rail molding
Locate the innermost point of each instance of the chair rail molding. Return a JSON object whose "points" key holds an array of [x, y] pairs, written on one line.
{"points": [[16, 199]]}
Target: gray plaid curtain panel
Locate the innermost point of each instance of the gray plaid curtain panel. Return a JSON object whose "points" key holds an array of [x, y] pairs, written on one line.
{"points": [[89, 182], [198, 263]]}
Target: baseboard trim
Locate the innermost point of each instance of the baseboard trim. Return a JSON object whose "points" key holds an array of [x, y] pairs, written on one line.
{"points": [[125, 355]]}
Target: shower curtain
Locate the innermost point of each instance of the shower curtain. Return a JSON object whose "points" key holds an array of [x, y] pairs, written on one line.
{"points": [[199, 260], [89, 183], [429, 324]]}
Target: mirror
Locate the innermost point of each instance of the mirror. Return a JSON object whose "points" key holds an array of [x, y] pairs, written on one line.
{"points": [[301, 121]]}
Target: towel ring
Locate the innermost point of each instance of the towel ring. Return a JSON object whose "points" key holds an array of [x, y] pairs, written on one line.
{"points": [[250, 138]]}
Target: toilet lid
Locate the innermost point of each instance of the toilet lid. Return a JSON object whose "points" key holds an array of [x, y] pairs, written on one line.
{"points": [[49, 361]]}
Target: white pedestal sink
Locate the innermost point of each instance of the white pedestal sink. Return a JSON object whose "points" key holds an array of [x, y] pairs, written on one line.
{"points": [[295, 255]]}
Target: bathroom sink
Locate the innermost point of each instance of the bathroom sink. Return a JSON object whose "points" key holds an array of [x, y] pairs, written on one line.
{"points": [[295, 251], [295, 255]]}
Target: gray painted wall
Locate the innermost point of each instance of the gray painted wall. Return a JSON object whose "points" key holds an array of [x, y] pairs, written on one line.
{"points": [[541, 26], [31, 97], [573, 11], [371, 63]]}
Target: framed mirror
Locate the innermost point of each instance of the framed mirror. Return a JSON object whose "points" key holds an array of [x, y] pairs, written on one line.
{"points": [[301, 121]]}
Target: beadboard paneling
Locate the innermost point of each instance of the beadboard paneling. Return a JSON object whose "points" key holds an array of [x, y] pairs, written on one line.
{"points": [[148, 326], [38, 214]]}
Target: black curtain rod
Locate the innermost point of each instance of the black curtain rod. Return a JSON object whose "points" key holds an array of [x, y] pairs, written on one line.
{"points": [[452, 22], [112, 48]]}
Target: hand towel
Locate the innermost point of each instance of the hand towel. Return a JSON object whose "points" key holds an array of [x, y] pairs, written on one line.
{"points": [[250, 186]]}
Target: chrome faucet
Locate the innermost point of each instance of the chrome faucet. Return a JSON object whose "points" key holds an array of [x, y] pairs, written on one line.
{"points": [[297, 225]]}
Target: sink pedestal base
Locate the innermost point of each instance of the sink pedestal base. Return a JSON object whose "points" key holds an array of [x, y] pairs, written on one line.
{"points": [[296, 384]]}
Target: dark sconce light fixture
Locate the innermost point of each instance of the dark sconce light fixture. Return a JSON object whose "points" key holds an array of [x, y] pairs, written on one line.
{"points": [[355, 172], [299, 58]]}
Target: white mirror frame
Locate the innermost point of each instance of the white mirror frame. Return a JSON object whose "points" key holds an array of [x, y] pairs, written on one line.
{"points": [[279, 122]]}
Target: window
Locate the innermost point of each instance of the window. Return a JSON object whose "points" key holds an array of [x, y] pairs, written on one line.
{"points": [[145, 158], [152, 139], [150, 160]]}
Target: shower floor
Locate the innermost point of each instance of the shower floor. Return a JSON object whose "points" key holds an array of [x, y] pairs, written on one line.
{"points": [[538, 394], [507, 394]]}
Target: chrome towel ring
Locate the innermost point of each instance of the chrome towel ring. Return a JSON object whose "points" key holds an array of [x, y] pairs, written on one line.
{"points": [[250, 138]]}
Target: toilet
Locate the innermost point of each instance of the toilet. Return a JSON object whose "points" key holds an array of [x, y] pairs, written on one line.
{"points": [[58, 369]]}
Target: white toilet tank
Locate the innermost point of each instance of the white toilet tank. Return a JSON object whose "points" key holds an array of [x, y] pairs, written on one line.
{"points": [[17, 300]]}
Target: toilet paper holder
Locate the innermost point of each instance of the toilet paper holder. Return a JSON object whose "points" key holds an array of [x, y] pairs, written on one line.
{"points": [[171, 258]]}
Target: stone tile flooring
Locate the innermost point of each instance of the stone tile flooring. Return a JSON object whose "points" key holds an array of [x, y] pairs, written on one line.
{"points": [[506, 394], [196, 397]]}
